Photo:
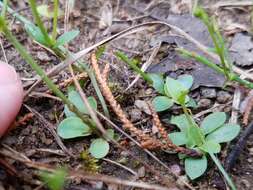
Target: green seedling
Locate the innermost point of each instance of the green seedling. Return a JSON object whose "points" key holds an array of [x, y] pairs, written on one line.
{"points": [[73, 127], [36, 34], [206, 138], [54, 180], [83, 124], [164, 101], [225, 67]]}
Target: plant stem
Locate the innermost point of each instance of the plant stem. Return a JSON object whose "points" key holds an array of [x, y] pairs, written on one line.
{"points": [[40, 71], [134, 67], [39, 22], [5, 5], [55, 19], [203, 60], [222, 170]]}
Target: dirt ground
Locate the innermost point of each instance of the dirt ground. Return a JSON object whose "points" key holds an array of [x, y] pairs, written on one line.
{"points": [[97, 20]]}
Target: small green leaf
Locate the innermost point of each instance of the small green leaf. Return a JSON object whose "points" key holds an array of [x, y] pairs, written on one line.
{"points": [[35, 33], [47, 11], [195, 167], [66, 37], [162, 103], [213, 121], [110, 134], [76, 99], [100, 51], [158, 82], [55, 180], [194, 135], [99, 148], [225, 133], [180, 121], [211, 147], [178, 138], [186, 80], [73, 127], [176, 90]]}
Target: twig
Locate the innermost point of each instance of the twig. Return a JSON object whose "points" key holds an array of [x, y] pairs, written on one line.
{"points": [[237, 149], [247, 111], [80, 174], [235, 105], [86, 103], [145, 65], [1, 44], [120, 165], [50, 127]]}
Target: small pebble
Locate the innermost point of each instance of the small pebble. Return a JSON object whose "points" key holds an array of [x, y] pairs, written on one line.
{"points": [[223, 97], [141, 172], [42, 56], [135, 115], [204, 103], [250, 160], [143, 106], [124, 153], [175, 168], [208, 92], [251, 151], [245, 183], [98, 185], [149, 91]]}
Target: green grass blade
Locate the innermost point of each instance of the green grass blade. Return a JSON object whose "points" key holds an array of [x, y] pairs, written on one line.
{"points": [[222, 170]]}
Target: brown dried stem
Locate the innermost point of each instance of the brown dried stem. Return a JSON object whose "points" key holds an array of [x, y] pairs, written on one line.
{"points": [[247, 111], [147, 141], [167, 142]]}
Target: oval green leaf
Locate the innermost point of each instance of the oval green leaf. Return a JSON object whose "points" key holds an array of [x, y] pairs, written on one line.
{"points": [[158, 82], [178, 138], [99, 148], [186, 80], [211, 147], [225, 133], [180, 121], [195, 167], [213, 121], [73, 127], [66, 37], [176, 90], [162, 103], [34, 32], [76, 99]]}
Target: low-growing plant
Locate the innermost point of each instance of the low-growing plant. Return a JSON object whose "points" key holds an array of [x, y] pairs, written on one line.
{"points": [[73, 127], [54, 180], [225, 67], [205, 138], [78, 122]]}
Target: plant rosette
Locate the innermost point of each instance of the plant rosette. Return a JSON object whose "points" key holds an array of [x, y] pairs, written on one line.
{"points": [[214, 130]]}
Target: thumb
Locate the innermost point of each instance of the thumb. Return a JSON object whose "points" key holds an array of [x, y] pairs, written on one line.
{"points": [[11, 96]]}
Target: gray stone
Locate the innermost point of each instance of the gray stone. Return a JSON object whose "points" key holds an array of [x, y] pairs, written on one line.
{"points": [[208, 92], [223, 97]]}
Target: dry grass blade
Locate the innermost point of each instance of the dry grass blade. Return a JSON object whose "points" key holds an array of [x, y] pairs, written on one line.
{"points": [[86, 103], [78, 174], [145, 65], [51, 129]]}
